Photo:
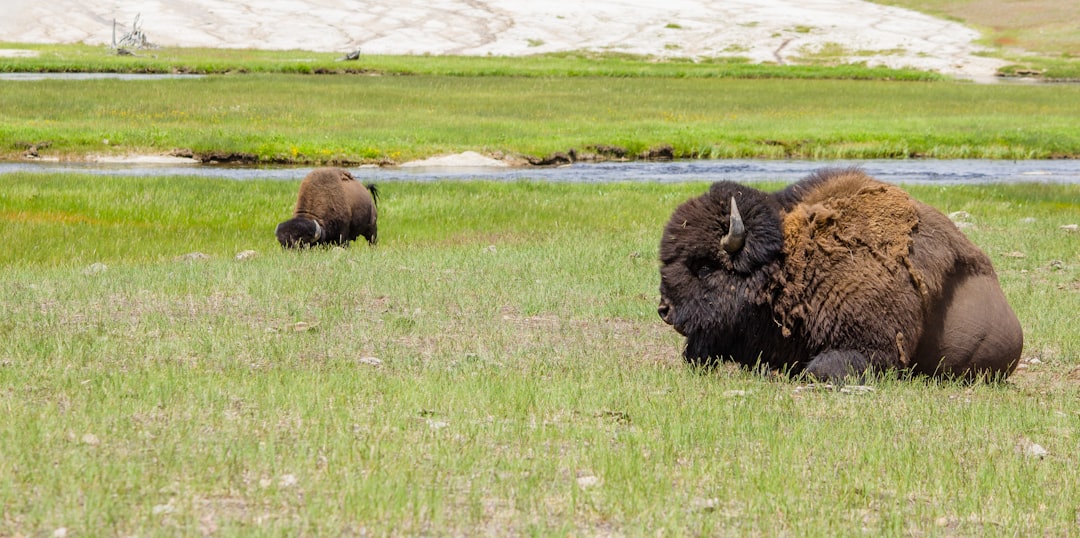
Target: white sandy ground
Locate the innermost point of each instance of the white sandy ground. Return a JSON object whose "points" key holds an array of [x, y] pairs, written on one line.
{"points": [[762, 30], [465, 158], [778, 31]]}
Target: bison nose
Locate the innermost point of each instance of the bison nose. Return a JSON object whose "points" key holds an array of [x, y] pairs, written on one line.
{"points": [[664, 309]]}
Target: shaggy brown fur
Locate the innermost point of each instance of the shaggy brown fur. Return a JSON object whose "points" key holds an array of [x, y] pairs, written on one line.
{"points": [[332, 208], [839, 274]]}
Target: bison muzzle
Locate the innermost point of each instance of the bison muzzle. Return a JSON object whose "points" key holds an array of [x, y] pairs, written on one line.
{"points": [[835, 276]]}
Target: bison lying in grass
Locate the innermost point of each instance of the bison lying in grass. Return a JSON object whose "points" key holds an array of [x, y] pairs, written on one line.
{"points": [[837, 275], [333, 208]]}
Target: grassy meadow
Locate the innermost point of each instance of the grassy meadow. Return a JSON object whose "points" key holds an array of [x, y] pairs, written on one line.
{"points": [[494, 367], [353, 119]]}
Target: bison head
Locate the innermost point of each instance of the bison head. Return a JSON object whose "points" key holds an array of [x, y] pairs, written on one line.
{"points": [[719, 255], [299, 233]]}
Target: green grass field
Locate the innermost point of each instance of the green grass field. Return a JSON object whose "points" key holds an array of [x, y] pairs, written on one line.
{"points": [[277, 118], [494, 367]]}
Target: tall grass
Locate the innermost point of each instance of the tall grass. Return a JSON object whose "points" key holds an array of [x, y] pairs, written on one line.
{"points": [[494, 367], [350, 119]]}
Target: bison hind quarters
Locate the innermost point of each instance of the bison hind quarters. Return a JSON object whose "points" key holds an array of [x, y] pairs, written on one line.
{"points": [[370, 232]]}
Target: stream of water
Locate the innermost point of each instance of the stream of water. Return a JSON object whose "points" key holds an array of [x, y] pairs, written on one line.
{"points": [[943, 172]]}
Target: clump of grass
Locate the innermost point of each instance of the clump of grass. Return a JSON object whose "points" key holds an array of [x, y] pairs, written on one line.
{"points": [[1061, 69], [825, 53]]}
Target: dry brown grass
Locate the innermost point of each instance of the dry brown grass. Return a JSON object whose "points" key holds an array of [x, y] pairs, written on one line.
{"points": [[1049, 27]]}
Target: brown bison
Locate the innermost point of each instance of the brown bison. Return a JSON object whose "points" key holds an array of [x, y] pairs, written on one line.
{"points": [[333, 208], [837, 275]]}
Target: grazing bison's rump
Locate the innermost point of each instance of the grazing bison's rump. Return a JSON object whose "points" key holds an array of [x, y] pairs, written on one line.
{"points": [[333, 208], [835, 275]]}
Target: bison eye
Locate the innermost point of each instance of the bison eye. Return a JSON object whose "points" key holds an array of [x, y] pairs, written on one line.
{"points": [[700, 268]]}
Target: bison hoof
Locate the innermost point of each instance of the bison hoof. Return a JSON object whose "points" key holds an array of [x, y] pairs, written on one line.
{"points": [[837, 366]]}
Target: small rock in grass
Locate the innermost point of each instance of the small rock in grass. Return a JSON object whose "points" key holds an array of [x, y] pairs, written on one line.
{"points": [[1031, 449], [959, 215], [162, 509], [705, 505], [95, 268], [303, 326], [192, 257], [856, 389], [370, 361], [587, 481]]}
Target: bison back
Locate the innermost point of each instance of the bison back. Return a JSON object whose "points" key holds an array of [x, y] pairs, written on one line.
{"points": [[871, 271], [322, 198]]}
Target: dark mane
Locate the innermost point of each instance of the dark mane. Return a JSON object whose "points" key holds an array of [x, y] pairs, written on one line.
{"points": [[791, 195]]}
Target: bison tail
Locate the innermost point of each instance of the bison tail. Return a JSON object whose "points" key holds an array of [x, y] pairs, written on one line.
{"points": [[374, 193]]}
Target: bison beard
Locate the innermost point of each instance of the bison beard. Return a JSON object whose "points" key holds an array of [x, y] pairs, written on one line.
{"points": [[834, 276], [332, 208]]}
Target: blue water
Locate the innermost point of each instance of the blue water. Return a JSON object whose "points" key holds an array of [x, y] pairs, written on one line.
{"points": [[943, 172]]}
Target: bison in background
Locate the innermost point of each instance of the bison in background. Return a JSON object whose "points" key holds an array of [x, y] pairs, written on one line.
{"points": [[837, 275], [333, 208]]}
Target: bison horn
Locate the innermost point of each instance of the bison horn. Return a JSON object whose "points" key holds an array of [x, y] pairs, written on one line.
{"points": [[736, 236], [319, 231]]}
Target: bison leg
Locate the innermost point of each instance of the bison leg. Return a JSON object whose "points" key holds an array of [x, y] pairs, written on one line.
{"points": [[372, 235], [836, 365]]}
